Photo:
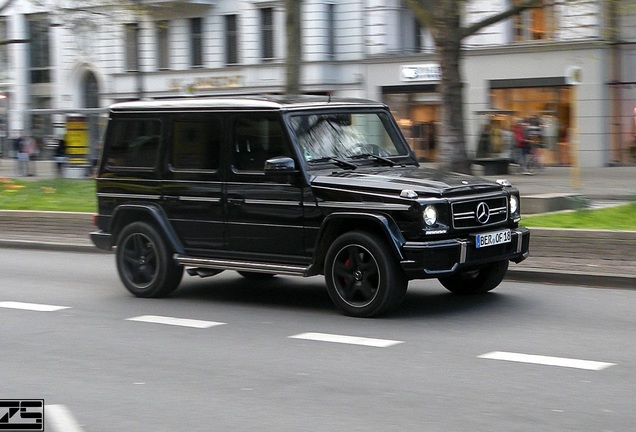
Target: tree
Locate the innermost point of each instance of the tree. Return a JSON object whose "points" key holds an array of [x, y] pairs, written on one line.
{"points": [[443, 18], [293, 46]]}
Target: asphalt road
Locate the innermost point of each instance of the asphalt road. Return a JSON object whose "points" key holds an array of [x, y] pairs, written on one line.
{"points": [[231, 354]]}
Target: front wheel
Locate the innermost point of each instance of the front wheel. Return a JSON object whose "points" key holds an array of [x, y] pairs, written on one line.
{"points": [[363, 280], [144, 262], [476, 281]]}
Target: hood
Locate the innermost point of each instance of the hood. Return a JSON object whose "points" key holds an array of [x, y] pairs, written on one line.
{"points": [[426, 182]]}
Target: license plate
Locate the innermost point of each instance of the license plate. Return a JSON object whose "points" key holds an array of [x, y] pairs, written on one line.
{"points": [[493, 238]]}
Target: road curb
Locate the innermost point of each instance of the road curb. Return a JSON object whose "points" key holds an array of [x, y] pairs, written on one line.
{"points": [[50, 246], [68, 232], [594, 280]]}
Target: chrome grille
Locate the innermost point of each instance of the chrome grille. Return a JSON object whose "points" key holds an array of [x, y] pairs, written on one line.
{"points": [[479, 212]]}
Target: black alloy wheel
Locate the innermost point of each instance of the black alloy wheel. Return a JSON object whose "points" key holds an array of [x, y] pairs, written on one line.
{"points": [[144, 262], [363, 280]]}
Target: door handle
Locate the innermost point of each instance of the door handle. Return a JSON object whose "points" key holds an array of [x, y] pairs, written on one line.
{"points": [[236, 201]]}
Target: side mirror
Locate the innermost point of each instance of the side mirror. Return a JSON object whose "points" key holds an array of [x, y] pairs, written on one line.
{"points": [[280, 165]]}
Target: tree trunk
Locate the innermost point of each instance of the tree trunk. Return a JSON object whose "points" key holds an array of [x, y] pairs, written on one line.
{"points": [[453, 155], [292, 28]]}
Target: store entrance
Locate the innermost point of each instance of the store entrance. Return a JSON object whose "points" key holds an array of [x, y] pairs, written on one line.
{"points": [[418, 117]]}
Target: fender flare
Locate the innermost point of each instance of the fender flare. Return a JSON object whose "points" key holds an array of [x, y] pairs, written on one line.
{"points": [[331, 228], [155, 214]]}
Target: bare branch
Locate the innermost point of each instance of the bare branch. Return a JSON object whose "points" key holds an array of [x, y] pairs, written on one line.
{"points": [[515, 10], [423, 11]]}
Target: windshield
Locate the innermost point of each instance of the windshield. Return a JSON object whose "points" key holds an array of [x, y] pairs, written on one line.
{"points": [[332, 136]]}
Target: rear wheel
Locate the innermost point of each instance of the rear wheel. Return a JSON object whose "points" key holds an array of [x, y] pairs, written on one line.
{"points": [[476, 281], [144, 262], [363, 280]]}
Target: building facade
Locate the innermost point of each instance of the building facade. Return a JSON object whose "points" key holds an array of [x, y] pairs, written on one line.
{"points": [[570, 67]]}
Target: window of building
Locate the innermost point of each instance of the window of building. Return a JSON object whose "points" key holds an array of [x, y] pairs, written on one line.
{"points": [[231, 39], [132, 47], [134, 143], [4, 57], [331, 31], [40, 56], [267, 34], [535, 24], [163, 45], [196, 42]]}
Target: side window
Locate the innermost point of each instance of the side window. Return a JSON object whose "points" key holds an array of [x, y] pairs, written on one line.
{"points": [[257, 137], [134, 143], [196, 144]]}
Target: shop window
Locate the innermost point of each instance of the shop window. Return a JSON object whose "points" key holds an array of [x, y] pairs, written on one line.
{"points": [[418, 119], [545, 108]]}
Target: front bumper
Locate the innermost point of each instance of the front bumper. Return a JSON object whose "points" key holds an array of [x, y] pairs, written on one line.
{"points": [[440, 258]]}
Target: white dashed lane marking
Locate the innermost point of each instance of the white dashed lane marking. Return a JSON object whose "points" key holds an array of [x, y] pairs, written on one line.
{"points": [[335, 338], [546, 360], [183, 322], [351, 340], [31, 306], [61, 419]]}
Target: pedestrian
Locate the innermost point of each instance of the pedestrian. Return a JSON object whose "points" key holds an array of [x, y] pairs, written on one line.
{"points": [[60, 156], [484, 145], [22, 158], [29, 150], [522, 145]]}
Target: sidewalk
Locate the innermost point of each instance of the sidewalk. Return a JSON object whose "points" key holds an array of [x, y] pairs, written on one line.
{"points": [[597, 184], [593, 261]]}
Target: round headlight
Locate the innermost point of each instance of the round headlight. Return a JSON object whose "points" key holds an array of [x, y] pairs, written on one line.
{"points": [[514, 204], [430, 215]]}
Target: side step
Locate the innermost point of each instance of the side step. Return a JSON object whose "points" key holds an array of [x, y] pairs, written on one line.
{"points": [[220, 264]]}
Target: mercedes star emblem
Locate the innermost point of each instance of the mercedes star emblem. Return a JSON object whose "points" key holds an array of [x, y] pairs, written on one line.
{"points": [[483, 213]]}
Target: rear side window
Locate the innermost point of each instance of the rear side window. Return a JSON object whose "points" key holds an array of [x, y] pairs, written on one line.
{"points": [[196, 144], [133, 143]]}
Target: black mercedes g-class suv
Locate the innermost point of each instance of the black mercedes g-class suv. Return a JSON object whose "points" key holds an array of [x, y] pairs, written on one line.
{"points": [[294, 186]]}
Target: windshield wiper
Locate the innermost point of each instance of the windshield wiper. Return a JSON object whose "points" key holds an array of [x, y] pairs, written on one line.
{"points": [[384, 160], [341, 163]]}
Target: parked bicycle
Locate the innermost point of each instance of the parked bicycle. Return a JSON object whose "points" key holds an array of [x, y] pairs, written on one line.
{"points": [[525, 158], [527, 164]]}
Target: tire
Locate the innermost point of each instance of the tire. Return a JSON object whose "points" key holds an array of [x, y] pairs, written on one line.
{"points": [[256, 276], [144, 262], [476, 281], [363, 279], [534, 165]]}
